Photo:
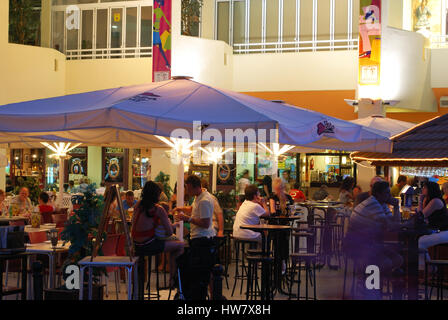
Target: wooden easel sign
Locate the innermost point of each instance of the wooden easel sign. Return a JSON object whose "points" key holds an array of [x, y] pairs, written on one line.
{"points": [[112, 193]]}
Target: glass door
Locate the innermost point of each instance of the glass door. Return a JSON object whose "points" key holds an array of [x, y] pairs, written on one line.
{"points": [[116, 31], [131, 31], [87, 32]]}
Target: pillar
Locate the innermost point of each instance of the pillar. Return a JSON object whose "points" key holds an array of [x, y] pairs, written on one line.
{"points": [[4, 22], [95, 164], [45, 24]]}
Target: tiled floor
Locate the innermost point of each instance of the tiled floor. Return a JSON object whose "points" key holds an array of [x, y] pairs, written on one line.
{"points": [[329, 286]]}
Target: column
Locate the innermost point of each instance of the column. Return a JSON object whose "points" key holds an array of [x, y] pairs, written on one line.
{"points": [[45, 24], [4, 22], [95, 164]]}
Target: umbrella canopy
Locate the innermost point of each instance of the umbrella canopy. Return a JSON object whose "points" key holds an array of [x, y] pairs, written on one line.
{"points": [[131, 116], [391, 126]]}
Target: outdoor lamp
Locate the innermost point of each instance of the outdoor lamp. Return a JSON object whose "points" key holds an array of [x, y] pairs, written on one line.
{"points": [[181, 151], [214, 155], [61, 149], [276, 152]]}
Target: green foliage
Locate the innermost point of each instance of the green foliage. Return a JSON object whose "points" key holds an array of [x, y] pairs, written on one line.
{"points": [[229, 215], [24, 22], [227, 200], [83, 226], [191, 12], [33, 186], [165, 180]]}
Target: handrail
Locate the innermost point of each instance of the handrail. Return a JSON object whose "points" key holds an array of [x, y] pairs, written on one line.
{"points": [[107, 53], [296, 46]]}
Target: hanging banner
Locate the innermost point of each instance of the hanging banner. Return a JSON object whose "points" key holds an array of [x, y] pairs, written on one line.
{"points": [[369, 42], [161, 48]]}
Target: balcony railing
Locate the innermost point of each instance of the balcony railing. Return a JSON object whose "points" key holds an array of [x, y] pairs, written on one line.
{"points": [[109, 53], [296, 46]]}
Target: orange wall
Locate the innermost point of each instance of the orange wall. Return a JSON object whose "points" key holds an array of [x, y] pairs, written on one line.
{"points": [[332, 103], [417, 117], [328, 102]]}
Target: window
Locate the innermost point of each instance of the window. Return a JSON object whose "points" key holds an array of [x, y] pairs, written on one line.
{"points": [[254, 26], [223, 25], [24, 22], [104, 29]]}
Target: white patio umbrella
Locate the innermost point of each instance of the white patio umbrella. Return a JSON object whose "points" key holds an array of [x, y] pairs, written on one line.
{"points": [[379, 122], [133, 116]]}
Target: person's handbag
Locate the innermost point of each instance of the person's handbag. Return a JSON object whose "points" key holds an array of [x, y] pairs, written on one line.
{"points": [[12, 239]]}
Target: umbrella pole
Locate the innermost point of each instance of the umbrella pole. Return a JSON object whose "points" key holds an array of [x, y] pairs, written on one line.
{"points": [[180, 184], [61, 181], [275, 162], [215, 171], [275, 167]]}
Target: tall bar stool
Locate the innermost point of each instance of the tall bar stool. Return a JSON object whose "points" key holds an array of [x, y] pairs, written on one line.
{"points": [[305, 259], [437, 277], [241, 246], [253, 291], [142, 265]]}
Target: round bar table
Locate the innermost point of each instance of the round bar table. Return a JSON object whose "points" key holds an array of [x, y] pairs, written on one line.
{"points": [[282, 221], [5, 220], [272, 230]]}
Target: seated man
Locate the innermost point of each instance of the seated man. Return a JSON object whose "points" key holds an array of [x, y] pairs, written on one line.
{"points": [[249, 214], [21, 204], [128, 202], [368, 224], [401, 183], [365, 195]]}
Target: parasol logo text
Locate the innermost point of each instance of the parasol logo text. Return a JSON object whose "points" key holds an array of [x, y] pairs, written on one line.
{"points": [[325, 127], [145, 96]]}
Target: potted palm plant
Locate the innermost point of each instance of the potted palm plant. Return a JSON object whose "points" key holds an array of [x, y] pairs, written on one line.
{"points": [[80, 230]]}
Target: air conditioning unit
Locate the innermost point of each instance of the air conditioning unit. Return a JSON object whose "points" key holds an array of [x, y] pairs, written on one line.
{"points": [[444, 102]]}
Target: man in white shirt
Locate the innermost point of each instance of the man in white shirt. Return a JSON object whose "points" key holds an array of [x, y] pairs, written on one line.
{"points": [[202, 237], [249, 214], [200, 215]]}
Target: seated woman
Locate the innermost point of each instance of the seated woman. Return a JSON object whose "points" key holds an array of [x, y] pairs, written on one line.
{"points": [[148, 216], [279, 200], [434, 209], [345, 193], [45, 208]]}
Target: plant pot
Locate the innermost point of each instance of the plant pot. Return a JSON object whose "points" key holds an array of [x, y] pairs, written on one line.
{"points": [[63, 293]]}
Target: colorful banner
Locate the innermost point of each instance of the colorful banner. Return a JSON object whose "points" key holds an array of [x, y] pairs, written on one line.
{"points": [[369, 42], [161, 48]]}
